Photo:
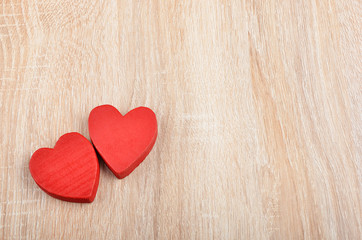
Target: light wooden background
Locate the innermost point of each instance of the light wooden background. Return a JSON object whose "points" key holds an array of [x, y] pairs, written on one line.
{"points": [[258, 103]]}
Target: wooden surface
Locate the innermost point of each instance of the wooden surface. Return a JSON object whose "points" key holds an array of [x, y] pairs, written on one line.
{"points": [[258, 106]]}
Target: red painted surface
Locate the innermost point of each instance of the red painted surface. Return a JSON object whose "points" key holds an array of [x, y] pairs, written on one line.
{"points": [[122, 141], [69, 171]]}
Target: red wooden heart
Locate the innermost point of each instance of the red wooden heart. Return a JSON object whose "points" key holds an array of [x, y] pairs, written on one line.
{"points": [[122, 141], [70, 171]]}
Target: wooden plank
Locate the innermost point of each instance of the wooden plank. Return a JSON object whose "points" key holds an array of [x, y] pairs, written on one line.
{"points": [[258, 106]]}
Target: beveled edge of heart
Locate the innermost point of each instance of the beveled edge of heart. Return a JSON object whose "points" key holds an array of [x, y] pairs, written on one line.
{"points": [[88, 199]]}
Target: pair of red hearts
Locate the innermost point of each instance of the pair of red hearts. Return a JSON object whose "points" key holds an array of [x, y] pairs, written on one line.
{"points": [[70, 171]]}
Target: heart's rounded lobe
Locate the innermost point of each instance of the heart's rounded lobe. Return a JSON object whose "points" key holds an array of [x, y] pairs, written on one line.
{"points": [[69, 171], [122, 141]]}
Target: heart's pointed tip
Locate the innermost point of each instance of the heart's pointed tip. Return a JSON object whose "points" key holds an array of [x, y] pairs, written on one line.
{"points": [[79, 200], [118, 173], [121, 175], [82, 200], [90, 199]]}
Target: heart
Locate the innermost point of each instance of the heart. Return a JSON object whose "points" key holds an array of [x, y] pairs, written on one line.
{"points": [[69, 171], [122, 141]]}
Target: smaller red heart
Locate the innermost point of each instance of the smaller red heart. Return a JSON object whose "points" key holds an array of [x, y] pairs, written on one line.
{"points": [[70, 171], [122, 141]]}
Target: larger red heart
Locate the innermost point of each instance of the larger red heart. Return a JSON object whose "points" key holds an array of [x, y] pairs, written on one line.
{"points": [[70, 171], [122, 141]]}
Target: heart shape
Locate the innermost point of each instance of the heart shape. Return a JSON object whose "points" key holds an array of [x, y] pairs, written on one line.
{"points": [[122, 141], [69, 171]]}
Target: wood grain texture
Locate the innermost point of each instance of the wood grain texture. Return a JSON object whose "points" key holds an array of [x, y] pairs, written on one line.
{"points": [[258, 106]]}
